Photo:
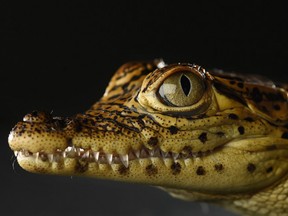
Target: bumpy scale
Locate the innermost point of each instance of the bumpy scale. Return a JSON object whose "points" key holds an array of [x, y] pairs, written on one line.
{"points": [[209, 136]]}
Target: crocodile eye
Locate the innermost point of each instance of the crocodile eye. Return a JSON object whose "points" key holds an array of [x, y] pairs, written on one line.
{"points": [[181, 89]]}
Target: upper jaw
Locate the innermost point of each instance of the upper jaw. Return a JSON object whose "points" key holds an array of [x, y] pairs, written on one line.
{"points": [[40, 135]]}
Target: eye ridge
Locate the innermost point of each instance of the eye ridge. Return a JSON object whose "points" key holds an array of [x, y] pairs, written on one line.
{"points": [[185, 84]]}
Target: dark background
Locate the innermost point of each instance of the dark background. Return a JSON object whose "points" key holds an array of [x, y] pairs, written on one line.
{"points": [[61, 57]]}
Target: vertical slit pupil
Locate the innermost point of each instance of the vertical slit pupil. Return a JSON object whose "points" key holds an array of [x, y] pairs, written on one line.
{"points": [[185, 84]]}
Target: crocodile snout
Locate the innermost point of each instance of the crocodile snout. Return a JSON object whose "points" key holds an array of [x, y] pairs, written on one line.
{"points": [[39, 131]]}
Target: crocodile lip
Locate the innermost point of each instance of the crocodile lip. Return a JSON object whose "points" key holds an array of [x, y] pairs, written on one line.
{"points": [[106, 158]]}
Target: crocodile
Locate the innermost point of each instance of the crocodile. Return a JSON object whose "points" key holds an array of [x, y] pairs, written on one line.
{"points": [[201, 135]]}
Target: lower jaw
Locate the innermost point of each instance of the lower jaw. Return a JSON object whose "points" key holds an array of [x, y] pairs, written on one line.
{"points": [[199, 174], [153, 166], [152, 171]]}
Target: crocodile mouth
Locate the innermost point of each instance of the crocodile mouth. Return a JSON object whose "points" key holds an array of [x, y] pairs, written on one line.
{"points": [[203, 170], [47, 145], [100, 157]]}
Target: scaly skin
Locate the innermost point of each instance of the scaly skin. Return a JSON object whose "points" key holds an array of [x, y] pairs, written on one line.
{"points": [[207, 136]]}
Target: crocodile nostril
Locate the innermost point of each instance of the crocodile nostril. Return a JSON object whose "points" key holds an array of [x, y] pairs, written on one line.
{"points": [[35, 113], [60, 122], [37, 117]]}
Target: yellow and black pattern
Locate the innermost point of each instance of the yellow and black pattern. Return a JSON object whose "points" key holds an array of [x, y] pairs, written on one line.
{"points": [[201, 135]]}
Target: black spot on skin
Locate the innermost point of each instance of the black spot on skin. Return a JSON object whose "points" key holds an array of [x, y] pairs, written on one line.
{"points": [[285, 135], [264, 109], [85, 121], [276, 107], [187, 150], [240, 85], [153, 141], [203, 137], [271, 147], [251, 167], [233, 116], [173, 129], [37, 130], [218, 167], [123, 170], [241, 130], [232, 82], [200, 171], [151, 170], [269, 169], [249, 119], [176, 168], [20, 129], [81, 166], [220, 134], [256, 95]]}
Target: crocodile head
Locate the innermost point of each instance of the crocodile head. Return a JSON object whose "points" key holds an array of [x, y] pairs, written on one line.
{"points": [[198, 134]]}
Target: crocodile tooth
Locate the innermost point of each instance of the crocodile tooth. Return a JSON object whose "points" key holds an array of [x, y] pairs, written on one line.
{"points": [[96, 156], [21, 154], [26, 153], [36, 155], [16, 153], [137, 153], [167, 162], [79, 151], [50, 157], [70, 152], [175, 156], [164, 154], [109, 158], [151, 152], [69, 148], [64, 154], [187, 161], [125, 160], [86, 154]]}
